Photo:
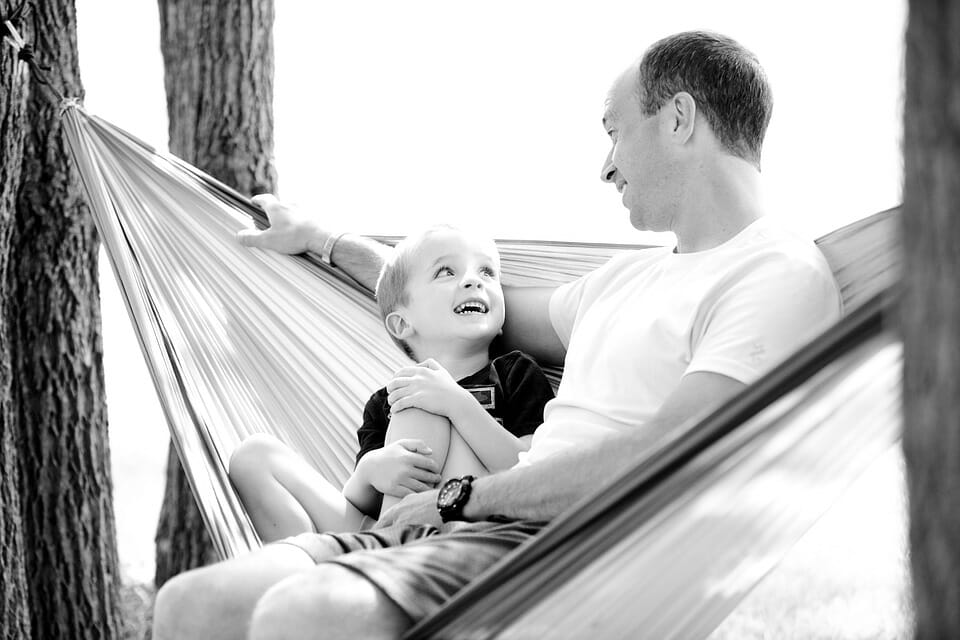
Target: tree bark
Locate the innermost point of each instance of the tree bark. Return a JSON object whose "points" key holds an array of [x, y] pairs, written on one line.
{"points": [[931, 313], [54, 329], [14, 594], [218, 60]]}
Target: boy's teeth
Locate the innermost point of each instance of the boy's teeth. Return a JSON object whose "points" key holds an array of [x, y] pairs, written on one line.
{"points": [[471, 307]]}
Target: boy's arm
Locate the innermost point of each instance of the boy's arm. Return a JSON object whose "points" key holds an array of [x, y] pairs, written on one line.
{"points": [[430, 387], [359, 489]]}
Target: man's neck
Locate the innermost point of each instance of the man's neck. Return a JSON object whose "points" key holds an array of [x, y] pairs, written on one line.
{"points": [[726, 198]]}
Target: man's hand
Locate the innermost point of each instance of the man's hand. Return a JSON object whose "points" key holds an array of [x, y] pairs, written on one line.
{"points": [[417, 508], [401, 468], [291, 231], [429, 387]]}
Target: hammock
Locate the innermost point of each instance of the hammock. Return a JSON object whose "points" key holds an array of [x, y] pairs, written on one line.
{"points": [[240, 341]]}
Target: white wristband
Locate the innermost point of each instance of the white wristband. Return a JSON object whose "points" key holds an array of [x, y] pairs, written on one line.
{"points": [[327, 249]]}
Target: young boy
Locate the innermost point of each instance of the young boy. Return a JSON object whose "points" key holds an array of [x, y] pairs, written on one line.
{"points": [[455, 413]]}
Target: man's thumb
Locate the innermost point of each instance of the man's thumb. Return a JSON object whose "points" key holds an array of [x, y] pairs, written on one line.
{"points": [[248, 237]]}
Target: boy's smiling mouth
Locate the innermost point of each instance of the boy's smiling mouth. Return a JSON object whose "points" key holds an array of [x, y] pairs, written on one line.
{"points": [[470, 307]]}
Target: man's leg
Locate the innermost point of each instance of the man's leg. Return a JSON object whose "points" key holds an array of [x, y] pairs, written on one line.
{"points": [[217, 601], [328, 601]]}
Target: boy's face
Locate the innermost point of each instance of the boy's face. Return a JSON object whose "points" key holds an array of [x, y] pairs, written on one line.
{"points": [[453, 293]]}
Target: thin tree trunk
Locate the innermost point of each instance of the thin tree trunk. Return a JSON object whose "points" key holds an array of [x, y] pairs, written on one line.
{"points": [[931, 313], [14, 595], [218, 59], [71, 557]]}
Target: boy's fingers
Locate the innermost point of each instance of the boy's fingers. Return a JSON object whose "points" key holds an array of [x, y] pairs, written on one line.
{"points": [[416, 486], [426, 463], [415, 446], [397, 383], [423, 475]]}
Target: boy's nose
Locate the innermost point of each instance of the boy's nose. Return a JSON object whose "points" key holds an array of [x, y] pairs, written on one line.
{"points": [[471, 281]]}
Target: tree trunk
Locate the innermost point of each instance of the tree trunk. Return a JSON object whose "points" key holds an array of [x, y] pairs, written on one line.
{"points": [[14, 595], [71, 558], [218, 60], [931, 313]]}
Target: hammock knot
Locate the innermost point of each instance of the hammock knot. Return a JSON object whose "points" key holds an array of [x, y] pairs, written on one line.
{"points": [[69, 103]]}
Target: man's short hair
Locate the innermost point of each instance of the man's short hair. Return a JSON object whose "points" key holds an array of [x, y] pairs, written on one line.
{"points": [[724, 78]]}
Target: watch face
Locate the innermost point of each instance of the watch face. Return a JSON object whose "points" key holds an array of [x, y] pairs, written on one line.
{"points": [[449, 493]]}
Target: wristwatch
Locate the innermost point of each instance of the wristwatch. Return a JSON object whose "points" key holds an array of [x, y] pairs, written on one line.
{"points": [[453, 497]]}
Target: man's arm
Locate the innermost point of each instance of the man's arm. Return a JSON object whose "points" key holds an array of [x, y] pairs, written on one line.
{"points": [[543, 490], [528, 326], [292, 231]]}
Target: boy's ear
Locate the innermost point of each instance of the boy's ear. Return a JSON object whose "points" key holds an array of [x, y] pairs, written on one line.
{"points": [[397, 326]]}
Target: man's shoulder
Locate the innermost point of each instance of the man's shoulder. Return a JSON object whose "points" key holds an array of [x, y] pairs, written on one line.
{"points": [[770, 242]]}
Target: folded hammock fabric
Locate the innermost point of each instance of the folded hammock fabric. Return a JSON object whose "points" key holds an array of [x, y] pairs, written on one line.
{"points": [[240, 341]]}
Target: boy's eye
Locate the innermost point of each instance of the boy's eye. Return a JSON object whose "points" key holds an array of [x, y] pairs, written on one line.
{"points": [[443, 271], [489, 272]]}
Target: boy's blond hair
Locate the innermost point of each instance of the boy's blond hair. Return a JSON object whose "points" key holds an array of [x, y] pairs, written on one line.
{"points": [[391, 290]]}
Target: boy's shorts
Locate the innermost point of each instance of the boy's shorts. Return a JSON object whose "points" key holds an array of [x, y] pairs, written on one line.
{"points": [[419, 567]]}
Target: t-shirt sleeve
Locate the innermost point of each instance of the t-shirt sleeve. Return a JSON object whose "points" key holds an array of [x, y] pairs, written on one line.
{"points": [[526, 390], [567, 298], [764, 317], [373, 432]]}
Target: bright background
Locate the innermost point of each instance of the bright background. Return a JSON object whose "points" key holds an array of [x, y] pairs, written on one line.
{"points": [[393, 115]]}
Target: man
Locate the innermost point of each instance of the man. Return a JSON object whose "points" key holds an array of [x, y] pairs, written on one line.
{"points": [[650, 341]]}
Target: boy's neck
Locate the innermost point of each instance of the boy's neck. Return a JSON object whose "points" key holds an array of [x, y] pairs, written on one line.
{"points": [[459, 363]]}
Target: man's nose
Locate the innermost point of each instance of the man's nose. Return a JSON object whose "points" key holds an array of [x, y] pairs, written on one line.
{"points": [[609, 171]]}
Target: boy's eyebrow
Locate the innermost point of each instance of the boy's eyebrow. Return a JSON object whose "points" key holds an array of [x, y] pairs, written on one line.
{"points": [[450, 256]]}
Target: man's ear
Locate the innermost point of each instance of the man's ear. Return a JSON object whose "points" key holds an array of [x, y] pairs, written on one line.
{"points": [[397, 326], [683, 116]]}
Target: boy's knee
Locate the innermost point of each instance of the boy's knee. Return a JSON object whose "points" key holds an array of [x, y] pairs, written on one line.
{"points": [[178, 605], [329, 600], [248, 458]]}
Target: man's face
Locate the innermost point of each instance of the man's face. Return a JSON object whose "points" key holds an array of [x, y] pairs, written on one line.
{"points": [[453, 292], [637, 163]]}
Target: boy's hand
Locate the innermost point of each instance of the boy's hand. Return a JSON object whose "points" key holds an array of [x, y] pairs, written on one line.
{"points": [[290, 230], [429, 387], [402, 467]]}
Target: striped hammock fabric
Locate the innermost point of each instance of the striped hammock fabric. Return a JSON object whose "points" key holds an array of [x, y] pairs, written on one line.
{"points": [[240, 341]]}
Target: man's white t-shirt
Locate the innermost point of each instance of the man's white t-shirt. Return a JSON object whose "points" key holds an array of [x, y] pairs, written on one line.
{"points": [[634, 327]]}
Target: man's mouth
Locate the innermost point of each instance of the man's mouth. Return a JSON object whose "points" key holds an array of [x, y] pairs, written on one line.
{"points": [[621, 186], [470, 307]]}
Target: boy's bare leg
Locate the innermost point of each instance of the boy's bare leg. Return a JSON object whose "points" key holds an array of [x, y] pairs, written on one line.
{"points": [[284, 495], [417, 424], [461, 460], [217, 601]]}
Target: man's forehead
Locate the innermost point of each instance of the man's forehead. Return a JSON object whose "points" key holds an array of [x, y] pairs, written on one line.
{"points": [[623, 94]]}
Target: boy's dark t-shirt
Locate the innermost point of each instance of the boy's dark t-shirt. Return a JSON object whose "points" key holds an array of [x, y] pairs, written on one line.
{"points": [[520, 390]]}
